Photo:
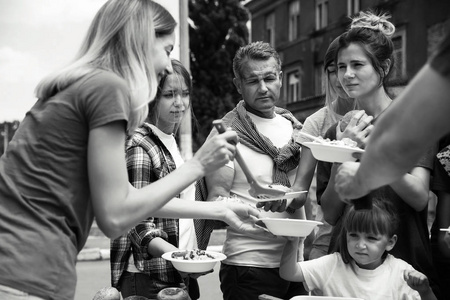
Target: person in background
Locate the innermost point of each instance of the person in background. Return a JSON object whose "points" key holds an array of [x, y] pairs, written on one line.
{"points": [[152, 153], [266, 134], [418, 118], [364, 61], [66, 162], [337, 104], [363, 268], [440, 185]]}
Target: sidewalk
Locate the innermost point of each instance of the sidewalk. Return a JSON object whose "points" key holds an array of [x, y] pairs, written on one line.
{"points": [[97, 244]]}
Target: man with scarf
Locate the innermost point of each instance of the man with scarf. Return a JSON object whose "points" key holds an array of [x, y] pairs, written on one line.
{"points": [[266, 142]]}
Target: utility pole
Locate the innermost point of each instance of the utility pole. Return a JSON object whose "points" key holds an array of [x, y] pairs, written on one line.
{"points": [[185, 131]]}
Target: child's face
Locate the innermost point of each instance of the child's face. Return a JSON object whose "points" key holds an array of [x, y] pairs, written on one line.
{"points": [[174, 100], [367, 248]]}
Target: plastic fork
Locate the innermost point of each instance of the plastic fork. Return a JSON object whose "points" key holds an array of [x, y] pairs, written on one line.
{"points": [[257, 190]]}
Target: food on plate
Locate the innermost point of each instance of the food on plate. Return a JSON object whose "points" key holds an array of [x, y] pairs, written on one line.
{"points": [[195, 254], [345, 142], [280, 187], [346, 119], [107, 293], [173, 293]]}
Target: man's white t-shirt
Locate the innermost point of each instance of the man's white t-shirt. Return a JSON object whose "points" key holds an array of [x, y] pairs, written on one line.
{"points": [[244, 250]]}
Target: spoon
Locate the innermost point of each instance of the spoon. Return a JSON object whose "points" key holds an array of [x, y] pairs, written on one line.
{"points": [[256, 190], [314, 138]]}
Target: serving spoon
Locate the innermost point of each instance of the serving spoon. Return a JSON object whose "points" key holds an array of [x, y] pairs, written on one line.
{"points": [[257, 190]]}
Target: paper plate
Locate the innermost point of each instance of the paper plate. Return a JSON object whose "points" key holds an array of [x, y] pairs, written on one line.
{"points": [[332, 153], [290, 227], [194, 266], [288, 195]]}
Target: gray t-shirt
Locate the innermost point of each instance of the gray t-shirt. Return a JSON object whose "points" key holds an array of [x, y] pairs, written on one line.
{"points": [[45, 202]]}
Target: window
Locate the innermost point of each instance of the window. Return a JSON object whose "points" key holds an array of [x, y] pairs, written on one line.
{"points": [[294, 19], [399, 40], [321, 14], [293, 86], [353, 7], [270, 29], [319, 80]]}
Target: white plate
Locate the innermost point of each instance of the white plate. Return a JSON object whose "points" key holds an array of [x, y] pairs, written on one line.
{"points": [[290, 227], [288, 195], [332, 153], [194, 266]]}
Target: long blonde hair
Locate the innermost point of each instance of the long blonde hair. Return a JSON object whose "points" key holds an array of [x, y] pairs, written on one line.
{"points": [[119, 40]]}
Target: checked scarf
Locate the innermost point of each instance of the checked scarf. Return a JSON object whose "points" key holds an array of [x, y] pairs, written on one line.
{"points": [[444, 158], [285, 159]]}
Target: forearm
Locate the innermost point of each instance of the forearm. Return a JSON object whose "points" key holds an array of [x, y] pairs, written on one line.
{"points": [[125, 210], [305, 171], [405, 130], [427, 295], [179, 209], [289, 267], [303, 179], [159, 246], [146, 201], [413, 190], [330, 202]]}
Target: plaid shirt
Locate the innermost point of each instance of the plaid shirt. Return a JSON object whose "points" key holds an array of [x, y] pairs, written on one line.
{"points": [[147, 161]]}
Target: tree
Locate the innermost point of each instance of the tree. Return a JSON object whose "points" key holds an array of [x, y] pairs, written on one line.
{"points": [[7, 131], [217, 29]]}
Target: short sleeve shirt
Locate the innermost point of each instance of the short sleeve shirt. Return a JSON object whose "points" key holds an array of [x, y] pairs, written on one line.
{"points": [[45, 208]]}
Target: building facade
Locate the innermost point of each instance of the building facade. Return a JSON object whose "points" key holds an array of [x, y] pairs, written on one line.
{"points": [[301, 30]]}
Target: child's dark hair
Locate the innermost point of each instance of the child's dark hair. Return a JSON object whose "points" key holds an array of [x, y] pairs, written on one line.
{"points": [[381, 219], [373, 33]]}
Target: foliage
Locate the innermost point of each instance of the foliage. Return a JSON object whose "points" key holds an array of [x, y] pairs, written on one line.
{"points": [[7, 131], [216, 31]]}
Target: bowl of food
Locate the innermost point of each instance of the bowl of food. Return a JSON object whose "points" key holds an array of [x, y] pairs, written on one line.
{"points": [[333, 151], [194, 261], [290, 227]]}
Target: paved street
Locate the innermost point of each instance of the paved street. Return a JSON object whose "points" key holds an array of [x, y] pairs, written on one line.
{"points": [[94, 275]]}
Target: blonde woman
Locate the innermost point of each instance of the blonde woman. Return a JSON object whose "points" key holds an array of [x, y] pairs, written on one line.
{"points": [[66, 163]]}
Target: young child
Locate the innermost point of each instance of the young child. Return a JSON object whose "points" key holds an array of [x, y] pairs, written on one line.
{"points": [[364, 268]]}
